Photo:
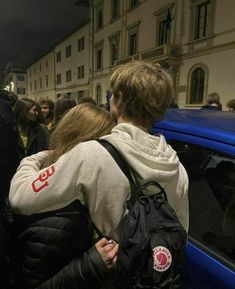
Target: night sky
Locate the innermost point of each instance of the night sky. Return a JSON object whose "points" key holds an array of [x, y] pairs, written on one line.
{"points": [[28, 28]]}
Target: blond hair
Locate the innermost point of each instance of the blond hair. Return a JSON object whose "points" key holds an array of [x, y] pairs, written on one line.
{"points": [[146, 91], [82, 123]]}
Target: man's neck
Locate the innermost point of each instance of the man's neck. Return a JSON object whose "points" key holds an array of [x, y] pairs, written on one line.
{"points": [[140, 126]]}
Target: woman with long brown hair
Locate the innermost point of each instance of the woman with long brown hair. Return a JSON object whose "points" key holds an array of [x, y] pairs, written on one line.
{"points": [[53, 249], [32, 136]]}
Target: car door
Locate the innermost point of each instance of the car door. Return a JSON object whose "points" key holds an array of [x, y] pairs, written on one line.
{"points": [[210, 259]]}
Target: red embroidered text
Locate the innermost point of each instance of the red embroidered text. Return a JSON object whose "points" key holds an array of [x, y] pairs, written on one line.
{"points": [[42, 181]]}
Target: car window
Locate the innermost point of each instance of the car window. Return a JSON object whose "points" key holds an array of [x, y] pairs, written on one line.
{"points": [[211, 197]]}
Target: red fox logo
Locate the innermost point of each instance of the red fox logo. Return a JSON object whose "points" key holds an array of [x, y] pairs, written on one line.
{"points": [[41, 182]]}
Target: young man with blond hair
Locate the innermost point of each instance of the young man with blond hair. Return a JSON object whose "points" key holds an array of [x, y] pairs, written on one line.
{"points": [[141, 94]]}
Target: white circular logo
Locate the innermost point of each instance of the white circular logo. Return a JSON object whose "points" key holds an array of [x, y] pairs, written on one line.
{"points": [[161, 258]]}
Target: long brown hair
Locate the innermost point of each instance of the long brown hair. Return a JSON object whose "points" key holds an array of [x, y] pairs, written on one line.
{"points": [[82, 123]]}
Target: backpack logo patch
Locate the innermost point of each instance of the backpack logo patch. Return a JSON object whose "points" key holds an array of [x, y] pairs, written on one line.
{"points": [[162, 258]]}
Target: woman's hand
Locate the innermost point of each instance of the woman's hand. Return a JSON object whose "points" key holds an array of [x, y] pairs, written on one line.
{"points": [[108, 251]]}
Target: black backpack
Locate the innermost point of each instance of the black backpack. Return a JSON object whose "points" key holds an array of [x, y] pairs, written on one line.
{"points": [[152, 241]]}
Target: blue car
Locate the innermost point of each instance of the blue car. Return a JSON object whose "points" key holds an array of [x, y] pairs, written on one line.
{"points": [[205, 143]]}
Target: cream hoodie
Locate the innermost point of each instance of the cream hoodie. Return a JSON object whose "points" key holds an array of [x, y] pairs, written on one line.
{"points": [[89, 173]]}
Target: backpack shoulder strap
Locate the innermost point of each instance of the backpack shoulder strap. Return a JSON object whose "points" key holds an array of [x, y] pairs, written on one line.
{"points": [[121, 162], [123, 165], [127, 170]]}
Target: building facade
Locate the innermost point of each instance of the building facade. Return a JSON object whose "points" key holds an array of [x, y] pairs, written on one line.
{"points": [[72, 64], [193, 39], [41, 77], [15, 80]]}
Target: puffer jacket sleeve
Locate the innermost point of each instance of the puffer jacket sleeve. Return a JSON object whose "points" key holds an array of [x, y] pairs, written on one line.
{"points": [[88, 271]]}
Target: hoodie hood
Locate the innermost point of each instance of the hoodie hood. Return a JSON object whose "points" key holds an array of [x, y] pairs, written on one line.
{"points": [[149, 156]]}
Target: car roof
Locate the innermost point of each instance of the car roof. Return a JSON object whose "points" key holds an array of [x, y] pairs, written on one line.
{"points": [[210, 124]]}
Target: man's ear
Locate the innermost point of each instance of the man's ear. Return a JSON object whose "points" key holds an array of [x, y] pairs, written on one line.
{"points": [[119, 101]]}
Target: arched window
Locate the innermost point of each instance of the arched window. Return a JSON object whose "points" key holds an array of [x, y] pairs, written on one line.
{"points": [[197, 85], [98, 94]]}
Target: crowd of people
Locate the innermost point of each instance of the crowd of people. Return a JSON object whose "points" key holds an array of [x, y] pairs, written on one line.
{"points": [[66, 181]]}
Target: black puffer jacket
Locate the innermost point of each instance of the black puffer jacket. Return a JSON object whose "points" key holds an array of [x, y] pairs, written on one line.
{"points": [[52, 252]]}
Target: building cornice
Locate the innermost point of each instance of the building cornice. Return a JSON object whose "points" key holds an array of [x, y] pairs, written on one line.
{"points": [[210, 50]]}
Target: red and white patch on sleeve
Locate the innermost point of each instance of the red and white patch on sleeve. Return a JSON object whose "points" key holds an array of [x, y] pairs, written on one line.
{"points": [[42, 181], [162, 258]]}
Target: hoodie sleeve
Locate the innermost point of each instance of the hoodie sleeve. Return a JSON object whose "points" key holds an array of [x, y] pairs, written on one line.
{"points": [[34, 190]]}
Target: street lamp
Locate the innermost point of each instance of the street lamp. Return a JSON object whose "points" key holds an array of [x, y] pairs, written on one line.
{"points": [[12, 86]]}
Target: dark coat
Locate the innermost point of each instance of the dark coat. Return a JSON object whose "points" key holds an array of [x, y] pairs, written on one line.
{"points": [[9, 161], [212, 107], [54, 251], [37, 140]]}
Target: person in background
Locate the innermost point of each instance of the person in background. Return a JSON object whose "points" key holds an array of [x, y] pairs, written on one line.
{"points": [[32, 137], [173, 104], [104, 106], [86, 99], [142, 92], [231, 105], [9, 161], [108, 98], [213, 102], [63, 104], [47, 109], [40, 116], [41, 120], [61, 241]]}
